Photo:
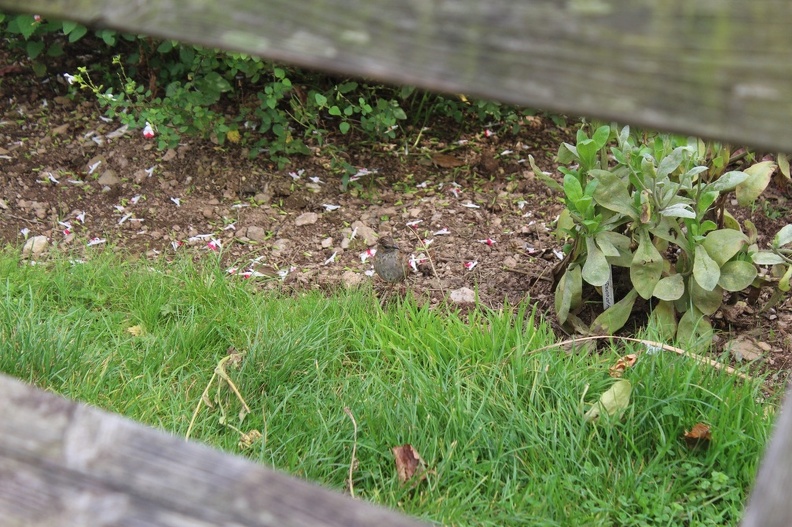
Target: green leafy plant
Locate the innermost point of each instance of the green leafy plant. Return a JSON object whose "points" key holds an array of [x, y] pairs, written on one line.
{"points": [[652, 210]]}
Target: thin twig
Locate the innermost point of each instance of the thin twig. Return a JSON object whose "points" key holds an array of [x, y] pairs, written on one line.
{"points": [[354, 451], [666, 347], [198, 406]]}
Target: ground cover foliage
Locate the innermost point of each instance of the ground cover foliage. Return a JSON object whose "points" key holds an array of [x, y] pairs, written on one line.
{"points": [[499, 421]]}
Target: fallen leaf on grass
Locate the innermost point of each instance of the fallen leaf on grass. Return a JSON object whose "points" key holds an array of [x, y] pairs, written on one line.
{"points": [[408, 461], [628, 361], [247, 440], [136, 331], [699, 436], [613, 401]]}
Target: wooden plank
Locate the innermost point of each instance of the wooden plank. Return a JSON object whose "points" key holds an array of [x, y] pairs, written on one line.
{"points": [[66, 464], [769, 504], [720, 69]]}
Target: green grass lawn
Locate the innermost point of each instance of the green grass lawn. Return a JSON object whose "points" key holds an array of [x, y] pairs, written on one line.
{"points": [[500, 426]]}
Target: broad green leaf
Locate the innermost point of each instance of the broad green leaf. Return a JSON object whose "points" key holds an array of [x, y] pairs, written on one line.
{"points": [[618, 242], [646, 267], [615, 317], [68, 27], [783, 284], [671, 162], [614, 401], [722, 244], [705, 301], [569, 292], [727, 181], [678, 210], [601, 136], [565, 224], [766, 258], [572, 189], [567, 154], [624, 135], [783, 237], [705, 201], [705, 269], [596, 270], [729, 221], [34, 48], [663, 319], [612, 193], [751, 188], [694, 329], [783, 165], [670, 288], [544, 176], [737, 275], [607, 247], [587, 151]]}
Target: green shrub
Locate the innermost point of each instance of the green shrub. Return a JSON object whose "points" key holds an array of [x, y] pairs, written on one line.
{"points": [[654, 207]]}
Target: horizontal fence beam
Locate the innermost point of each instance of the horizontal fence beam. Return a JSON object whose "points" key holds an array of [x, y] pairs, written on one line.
{"points": [[66, 464], [717, 69]]}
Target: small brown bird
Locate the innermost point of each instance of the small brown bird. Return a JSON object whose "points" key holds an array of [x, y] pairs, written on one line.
{"points": [[390, 263]]}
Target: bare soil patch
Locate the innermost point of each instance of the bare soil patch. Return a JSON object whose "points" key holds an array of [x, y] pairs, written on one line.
{"points": [[69, 175]]}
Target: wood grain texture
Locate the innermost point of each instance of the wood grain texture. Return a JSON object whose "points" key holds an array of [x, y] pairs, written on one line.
{"points": [[713, 68], [770, 504], [66, 464]]}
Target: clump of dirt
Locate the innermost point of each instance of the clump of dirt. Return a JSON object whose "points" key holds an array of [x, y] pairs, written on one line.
{"points": [[469, 199]]}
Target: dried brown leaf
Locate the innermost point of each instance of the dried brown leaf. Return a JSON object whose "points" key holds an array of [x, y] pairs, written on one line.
{"points": [[699, 436], [408, 462], [628, 361]]}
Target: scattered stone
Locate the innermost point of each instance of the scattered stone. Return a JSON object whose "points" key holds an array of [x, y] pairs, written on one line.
{"points": [[35, 246], [208, 213], [365, 232], [256, 233], [327, 242], [169, 155], [745, 348], [279, 246], [308, 218], [262, 197], [60, 130], [108, 178], [510, 261], [463, 295], [351, 279]]}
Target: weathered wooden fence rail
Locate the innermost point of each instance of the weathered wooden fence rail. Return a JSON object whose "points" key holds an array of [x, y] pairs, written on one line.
{"points": [[720, 69], [64, 464], [714, 68]]}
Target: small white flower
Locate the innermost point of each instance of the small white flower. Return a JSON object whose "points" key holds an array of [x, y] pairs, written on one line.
{"points": [[471, 206], [177, 201], [330, 208], [331, 259], [442, 232]]}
